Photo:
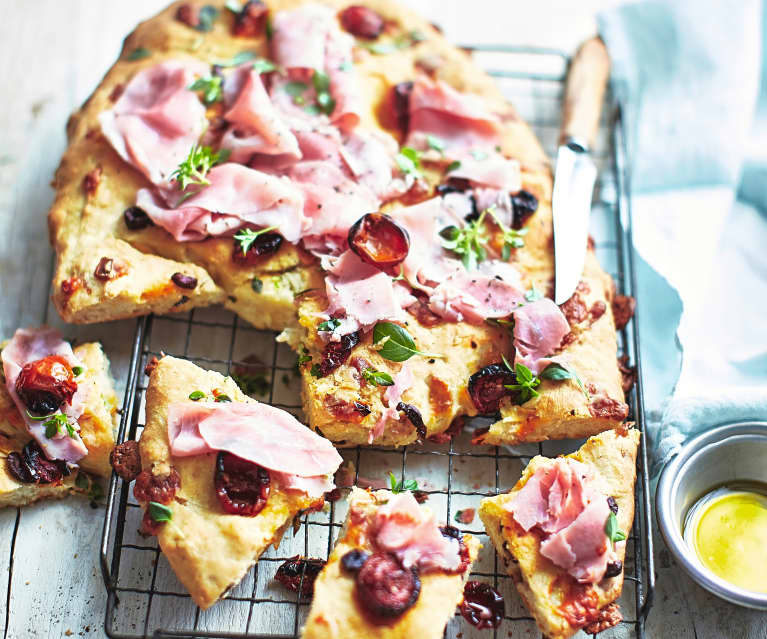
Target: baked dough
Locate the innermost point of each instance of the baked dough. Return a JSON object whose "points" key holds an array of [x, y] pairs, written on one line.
{"points": [[98, 425], [559, 604], [334, 612], [210, 551], [87, 225]]}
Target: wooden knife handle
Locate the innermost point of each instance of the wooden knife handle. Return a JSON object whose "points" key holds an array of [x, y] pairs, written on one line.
{"points": [[584, 92]]}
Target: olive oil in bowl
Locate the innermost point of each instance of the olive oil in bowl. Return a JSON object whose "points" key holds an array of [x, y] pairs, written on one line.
{"points": [[727, 530]]}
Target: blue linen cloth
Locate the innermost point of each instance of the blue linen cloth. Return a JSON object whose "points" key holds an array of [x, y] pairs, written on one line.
{"points": [[690, 73]]}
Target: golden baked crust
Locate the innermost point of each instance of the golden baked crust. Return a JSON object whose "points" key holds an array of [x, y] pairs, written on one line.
{"points": [[209, 550], [98, 425], [559, 604], [334, 612], [87, 226]]}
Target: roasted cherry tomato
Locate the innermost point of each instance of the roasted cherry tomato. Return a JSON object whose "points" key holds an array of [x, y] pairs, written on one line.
{"points": [[379, 240], [362, 22], [44, 385], [242, 487], [488, 385], [385, 588]]}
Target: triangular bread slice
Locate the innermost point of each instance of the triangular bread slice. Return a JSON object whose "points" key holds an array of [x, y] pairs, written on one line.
{"points": [[334, 613], [98, 425], [210, 551], [559, 604]]}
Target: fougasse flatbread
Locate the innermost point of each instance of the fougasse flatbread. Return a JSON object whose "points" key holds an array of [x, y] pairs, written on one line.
{"points": [[347, 176]]}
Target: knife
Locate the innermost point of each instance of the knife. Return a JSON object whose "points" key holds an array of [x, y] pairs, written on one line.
{"points": [[575, 171]]}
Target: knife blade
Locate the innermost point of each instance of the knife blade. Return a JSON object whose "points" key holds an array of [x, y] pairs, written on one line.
{"points": [[575, 172]]}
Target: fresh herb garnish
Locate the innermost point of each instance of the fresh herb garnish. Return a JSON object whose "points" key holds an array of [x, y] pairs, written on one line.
{"points": [[479, 155], [512, 238], [252, 384], [435, 143], [612, 531], [54, 425], [246, 237], [200, 160], [403, 41], [526, 382], [321, 83], [211, 87], [467, 242], [269, 28], [89, 485], [400, 486], [453, 166], [302, 359], [328, 326], [377, 378], [223, 398], [315, 370], [196, 395], [235, 6], [533, 295], [296, 91], [159, 513], [262, 65], [207, 17], [556, 372], [77, 371], [409, 162], [238, 59], [395, 343], [257, 285], [138, 54], [38, 418], [401, 275]]}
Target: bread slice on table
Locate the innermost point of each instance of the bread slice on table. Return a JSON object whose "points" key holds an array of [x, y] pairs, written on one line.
{"points": [[98, 426], [561, 606], [336, 611], [209, 550]]}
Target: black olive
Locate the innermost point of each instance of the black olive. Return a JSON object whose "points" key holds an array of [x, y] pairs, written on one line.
{"points": [[136, 218], [614, 568], [353, 560], [613, 505], [415, 417], [184, 281], [488, 385], [524, 204]]}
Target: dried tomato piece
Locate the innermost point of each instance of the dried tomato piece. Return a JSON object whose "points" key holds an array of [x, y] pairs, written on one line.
{"points": [[524, 204], [488, 385], [421, 311], [608, 408], [45, 384], [482, 605], [300, 573], [264, 244], [31, 466], [346, 411], [385, 588], [242, 487], [400, 102], [125, 460], [251, 20], [353, 560], [415, 417], [362, 22], [336, 353], [159, 488], [378, 240]]}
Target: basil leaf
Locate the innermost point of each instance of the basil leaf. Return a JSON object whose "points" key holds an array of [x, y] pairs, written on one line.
{"points": [[315, 370], [321, 81], [611, 529], [262, 65], [453, 166], [207, 17], [329, 325], [196, 395], [533, 295], [238, 59], [51, 429], [557, 372], [397, 345], [435, 143], [138, 54], [400, 486], [295, 89], [77, 370], [377, 378], [159, 513], [223, 397]]}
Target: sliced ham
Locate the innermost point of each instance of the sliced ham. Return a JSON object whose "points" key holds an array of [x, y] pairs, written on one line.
{"points": [[237, 195], [332, 201], [413, 535], [30, 345], [489, 170], [472, 297], [562, 501], [361, 292], [370, 159], [461, 121], [257, 432], [344, 82], [538, 331], [157, 119], [392, 396], [256, 125]]}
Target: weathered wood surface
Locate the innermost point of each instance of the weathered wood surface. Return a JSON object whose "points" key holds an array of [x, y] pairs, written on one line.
{"points": [[53, 53]]}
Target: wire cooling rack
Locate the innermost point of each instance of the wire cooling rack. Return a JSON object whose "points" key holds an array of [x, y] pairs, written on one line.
{"points": [[144, 597]]}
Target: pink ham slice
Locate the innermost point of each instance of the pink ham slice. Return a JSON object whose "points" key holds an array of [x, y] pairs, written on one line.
{"points": [[461, 121], [538, 331], [30, 345], [489, 170], [361, 292], [562, 501], [237, 195], [403, 528], [332, 201], [257, 432], [472, 297], [307, 39], [256, 125], [392, 396], [157, 119]]}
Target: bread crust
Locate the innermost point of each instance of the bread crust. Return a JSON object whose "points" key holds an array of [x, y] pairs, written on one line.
{"points": [[553, 597], [335, 613]]}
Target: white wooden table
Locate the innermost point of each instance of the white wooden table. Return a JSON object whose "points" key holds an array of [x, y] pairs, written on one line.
{"points": [[53, 53]]}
